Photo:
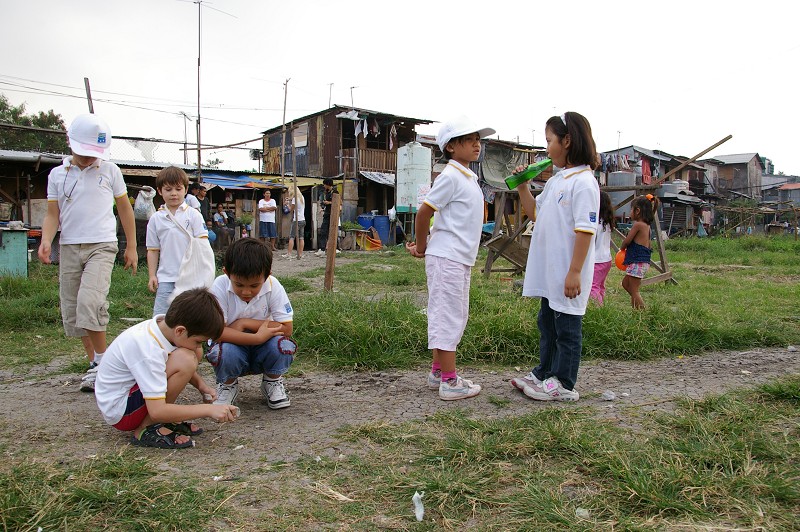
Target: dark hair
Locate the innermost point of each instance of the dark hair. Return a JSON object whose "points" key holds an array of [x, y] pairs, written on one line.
{"points": [[582, 149], [647, 206], [327, 181], [248, 257], [171, 175], [606, 213], [447, 155], [194, 186], [197, 310]]}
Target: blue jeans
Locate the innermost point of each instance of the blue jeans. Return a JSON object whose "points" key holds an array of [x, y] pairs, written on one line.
{"points": [[560, 342], [273, 357], [163, 292]]}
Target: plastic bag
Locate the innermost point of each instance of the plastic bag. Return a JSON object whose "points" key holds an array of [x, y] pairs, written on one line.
{"points": [[392, 214], [143, 207]]}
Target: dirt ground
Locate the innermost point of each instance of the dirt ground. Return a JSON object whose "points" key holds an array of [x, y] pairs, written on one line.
{"points": [[43, 408]]}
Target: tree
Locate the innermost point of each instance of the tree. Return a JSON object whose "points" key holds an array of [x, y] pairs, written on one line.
{"points": [[39, 141], [214, 163]]}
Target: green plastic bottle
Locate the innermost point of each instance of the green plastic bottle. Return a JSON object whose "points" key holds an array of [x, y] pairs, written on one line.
{"points": [[513, 181]]}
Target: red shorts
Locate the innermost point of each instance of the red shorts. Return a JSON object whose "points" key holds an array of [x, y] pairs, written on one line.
{"points": [[135, 412]]}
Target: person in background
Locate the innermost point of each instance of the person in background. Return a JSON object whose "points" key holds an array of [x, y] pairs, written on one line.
{"points": [[81, 194], [297, 208], [325, 200], [191, 196], [637, 246], [267, 230], [561, 256], [602, 248]]}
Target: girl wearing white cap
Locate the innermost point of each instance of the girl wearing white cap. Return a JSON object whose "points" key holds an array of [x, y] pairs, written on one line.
{"points": [[81, 194], [456, 204]]}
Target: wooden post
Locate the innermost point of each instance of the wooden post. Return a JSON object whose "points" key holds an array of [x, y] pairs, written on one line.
{"points": [[333, 233]]}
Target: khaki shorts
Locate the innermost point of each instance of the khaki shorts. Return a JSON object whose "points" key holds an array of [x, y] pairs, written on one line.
{"points": [[448, 301], [84, 279]]}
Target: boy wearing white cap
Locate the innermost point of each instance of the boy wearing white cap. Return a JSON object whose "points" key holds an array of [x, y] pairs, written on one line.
{"points": [[456, 203], [80, 199]]}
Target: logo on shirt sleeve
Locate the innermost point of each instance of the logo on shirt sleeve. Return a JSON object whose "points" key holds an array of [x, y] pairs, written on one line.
{"points": [[288, 308], [593, 217]]}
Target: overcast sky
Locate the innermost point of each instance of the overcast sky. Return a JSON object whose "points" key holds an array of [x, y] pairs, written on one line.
{"points": [[677, 76]]}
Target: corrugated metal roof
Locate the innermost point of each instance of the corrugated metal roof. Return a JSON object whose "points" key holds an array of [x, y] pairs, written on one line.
{"points": [[30, 156], [379, 177], [789, 186], [737, 158], [241, 182], [651, 154]]}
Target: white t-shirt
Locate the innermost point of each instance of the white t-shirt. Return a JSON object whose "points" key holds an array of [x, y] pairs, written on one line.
{"points": [[602, 244], [86, 200], [271, 303], [457, 222], [171, 241], [300, 212], [137, 356], [568, 204], [266, 216], [192, 201]]}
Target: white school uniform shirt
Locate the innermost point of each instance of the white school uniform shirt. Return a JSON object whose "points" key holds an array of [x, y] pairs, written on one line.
{"points": [[86, 200], [457, 200], [602, 244], [137, 356], [266, 216], [271, 303], [170, 241], [568, 204]]}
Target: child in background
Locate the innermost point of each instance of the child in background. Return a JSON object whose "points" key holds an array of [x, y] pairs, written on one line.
{"points": [[147, 366], [267, 230], [456, 202], [258, 324], [561, 256], [166, 242], [602, 248], [637, 246], [81, 194]]}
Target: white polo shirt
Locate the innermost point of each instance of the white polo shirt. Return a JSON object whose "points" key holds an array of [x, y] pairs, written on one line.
{"points": [[457, 222], [271, 303], [170, 241], [266, 216], [137, 356], [299, 212], [568, 204], [86, 200]]}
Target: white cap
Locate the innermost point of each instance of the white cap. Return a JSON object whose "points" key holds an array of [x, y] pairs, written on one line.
{"points": [[90, 136], [458, 127]]}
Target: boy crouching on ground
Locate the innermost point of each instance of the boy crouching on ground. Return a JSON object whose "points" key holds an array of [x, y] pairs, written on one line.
{"points": [[147, 366], [258, 324]]}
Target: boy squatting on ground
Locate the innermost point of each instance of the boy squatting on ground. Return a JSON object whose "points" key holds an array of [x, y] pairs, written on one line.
{"points": [[147, 366], [167, 243], [80, 198], [258, 324]]}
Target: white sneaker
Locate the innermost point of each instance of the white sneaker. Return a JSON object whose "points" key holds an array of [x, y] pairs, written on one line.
{"points": [[458, 388], [227, 393], [434, 379], [87, 382], [551, 390], [528, 381], [319, 253], [275, 393]]}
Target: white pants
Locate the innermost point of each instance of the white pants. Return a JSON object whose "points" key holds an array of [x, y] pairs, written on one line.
{"points": [[448, 302]]}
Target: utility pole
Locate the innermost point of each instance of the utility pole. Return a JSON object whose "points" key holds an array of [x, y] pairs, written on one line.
{"points": [[283, 129], [185, 151], [199, 41], [351, 96], [88, 94], [330, 92]]}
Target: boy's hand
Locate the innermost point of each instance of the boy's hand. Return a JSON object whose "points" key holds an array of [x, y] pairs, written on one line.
{"points": [[131, 259], [572, 285], [44, 252], [520, 168], [265, 332], [414, 250], [223, 413], [152, 284], [209, 394]]}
